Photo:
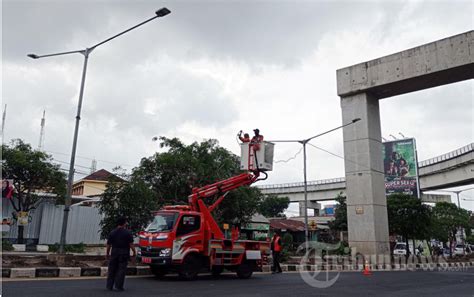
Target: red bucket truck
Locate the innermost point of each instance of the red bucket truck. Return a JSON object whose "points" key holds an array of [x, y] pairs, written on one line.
{"points": [[186, 239]]}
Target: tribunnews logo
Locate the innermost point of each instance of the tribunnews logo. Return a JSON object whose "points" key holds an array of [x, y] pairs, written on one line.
{"points": [[321, 268]]}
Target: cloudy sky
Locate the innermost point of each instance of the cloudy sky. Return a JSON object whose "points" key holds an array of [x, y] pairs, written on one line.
{"points": [[212, 68]]}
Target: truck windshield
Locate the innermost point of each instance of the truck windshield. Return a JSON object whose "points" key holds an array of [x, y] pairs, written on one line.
{"points": [[162, 222]]}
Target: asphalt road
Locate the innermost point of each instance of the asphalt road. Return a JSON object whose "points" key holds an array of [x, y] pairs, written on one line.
{"points": [[419, 284]]}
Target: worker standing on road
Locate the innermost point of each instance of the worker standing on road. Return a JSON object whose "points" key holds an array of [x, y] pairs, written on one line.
{"points": [[120, 241], [276, 249]]}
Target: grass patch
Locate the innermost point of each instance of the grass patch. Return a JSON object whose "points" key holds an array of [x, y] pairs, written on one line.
{"points": [[68, 248]]}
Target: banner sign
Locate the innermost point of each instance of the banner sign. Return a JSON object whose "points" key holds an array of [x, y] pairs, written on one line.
{"points": [[400, 167], [7, 188], [22, 218]]}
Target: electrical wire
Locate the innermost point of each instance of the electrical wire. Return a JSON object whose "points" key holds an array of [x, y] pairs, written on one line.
{"points": [[75, 165], [88, 158], [292, 158], [348, 160], [75, 171]]}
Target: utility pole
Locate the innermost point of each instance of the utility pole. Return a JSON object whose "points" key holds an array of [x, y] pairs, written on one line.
{"points": [[85, 52], [304, 142], [41, 140], [3, 121], [94, 166]]}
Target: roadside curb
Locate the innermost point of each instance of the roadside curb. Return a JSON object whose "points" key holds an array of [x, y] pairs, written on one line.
{"points": [[68, 272]]}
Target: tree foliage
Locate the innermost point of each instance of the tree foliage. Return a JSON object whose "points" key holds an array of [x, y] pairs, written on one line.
{"points": [[447, 218], [133, 200], [273, 206], [172, 174], [32, 171], [409, 217], [167, 178], [340, 215]]}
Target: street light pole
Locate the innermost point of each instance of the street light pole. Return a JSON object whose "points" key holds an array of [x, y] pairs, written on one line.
{"points": [[459, 204], [67, 205], [304, 142], [306, 231]]}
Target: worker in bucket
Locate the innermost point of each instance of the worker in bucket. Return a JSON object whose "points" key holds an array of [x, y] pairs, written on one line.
{"points": [[256, 139], [120, 241], [245, 138]]}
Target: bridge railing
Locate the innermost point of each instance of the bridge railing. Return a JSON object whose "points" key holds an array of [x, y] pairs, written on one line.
{"points": [[461, 151], [451, 155], [301, 184]]}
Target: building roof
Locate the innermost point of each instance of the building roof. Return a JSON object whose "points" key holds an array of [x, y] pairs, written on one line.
{"points": [[289, 225], [101, 175], [258, 218]]}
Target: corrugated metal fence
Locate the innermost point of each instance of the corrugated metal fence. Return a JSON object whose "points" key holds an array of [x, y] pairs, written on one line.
{"points": [[46, 222]]}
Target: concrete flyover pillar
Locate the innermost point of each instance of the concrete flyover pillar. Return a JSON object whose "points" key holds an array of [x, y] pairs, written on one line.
{"points": [[360, 86], [366, 202], [316, 207]]}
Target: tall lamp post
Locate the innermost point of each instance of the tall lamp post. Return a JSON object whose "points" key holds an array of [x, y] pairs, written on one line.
{"points": [[304, 142], [457, 194], [85, 52]]}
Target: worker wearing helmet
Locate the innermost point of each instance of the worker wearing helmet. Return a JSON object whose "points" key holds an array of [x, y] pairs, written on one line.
{"points": [[256, 139]]}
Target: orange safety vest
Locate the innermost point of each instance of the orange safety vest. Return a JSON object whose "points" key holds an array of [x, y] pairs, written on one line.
{"points": [[276, 244]]}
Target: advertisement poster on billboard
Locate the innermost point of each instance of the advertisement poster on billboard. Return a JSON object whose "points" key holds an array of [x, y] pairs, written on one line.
{"points": [[400, 167]]}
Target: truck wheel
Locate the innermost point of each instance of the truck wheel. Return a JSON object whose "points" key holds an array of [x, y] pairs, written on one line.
{"points": [[158, 271], [217, 270], [190, 267], [245, 270]]}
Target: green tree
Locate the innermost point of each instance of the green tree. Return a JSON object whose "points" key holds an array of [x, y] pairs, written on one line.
{"points": [[133, 200], [32, 172], [447, 218], [273, 206], [172, 174], [409, 217], [340, 215]]}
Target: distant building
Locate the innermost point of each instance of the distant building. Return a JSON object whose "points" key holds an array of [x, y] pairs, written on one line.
{"points": [[329, 210], [257, 229], [94, 184], [293, 227]]}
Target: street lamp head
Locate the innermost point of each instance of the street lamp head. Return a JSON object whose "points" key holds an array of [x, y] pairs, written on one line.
{"points": [[356, 120], [162, 12], [33, 56]]}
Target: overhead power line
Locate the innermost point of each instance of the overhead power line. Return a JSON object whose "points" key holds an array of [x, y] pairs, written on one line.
{"points": [[292, 158], [88, 158], [348, 160]]}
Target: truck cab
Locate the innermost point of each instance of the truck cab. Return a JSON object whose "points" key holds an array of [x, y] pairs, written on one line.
{"points": [[168, 238]]}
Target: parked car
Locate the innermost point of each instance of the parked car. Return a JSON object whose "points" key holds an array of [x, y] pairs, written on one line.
{"points": [[459, 250], [401, 250]]}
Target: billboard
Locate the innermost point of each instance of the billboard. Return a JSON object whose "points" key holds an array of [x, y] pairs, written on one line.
{"points": [[400, 167]]}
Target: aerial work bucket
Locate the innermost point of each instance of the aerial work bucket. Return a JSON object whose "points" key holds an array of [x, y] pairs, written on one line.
{"points": [[256, 156]]}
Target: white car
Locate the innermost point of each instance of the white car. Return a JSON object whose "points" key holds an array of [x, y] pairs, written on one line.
{"points": [[459, 250], [401, 250]]}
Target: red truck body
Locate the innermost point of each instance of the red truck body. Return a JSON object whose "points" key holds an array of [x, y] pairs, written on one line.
{"points": [[186, 239]]}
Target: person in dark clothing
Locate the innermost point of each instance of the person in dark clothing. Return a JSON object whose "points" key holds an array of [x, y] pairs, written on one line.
{"points": [[120, 241], [276, 249]]}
